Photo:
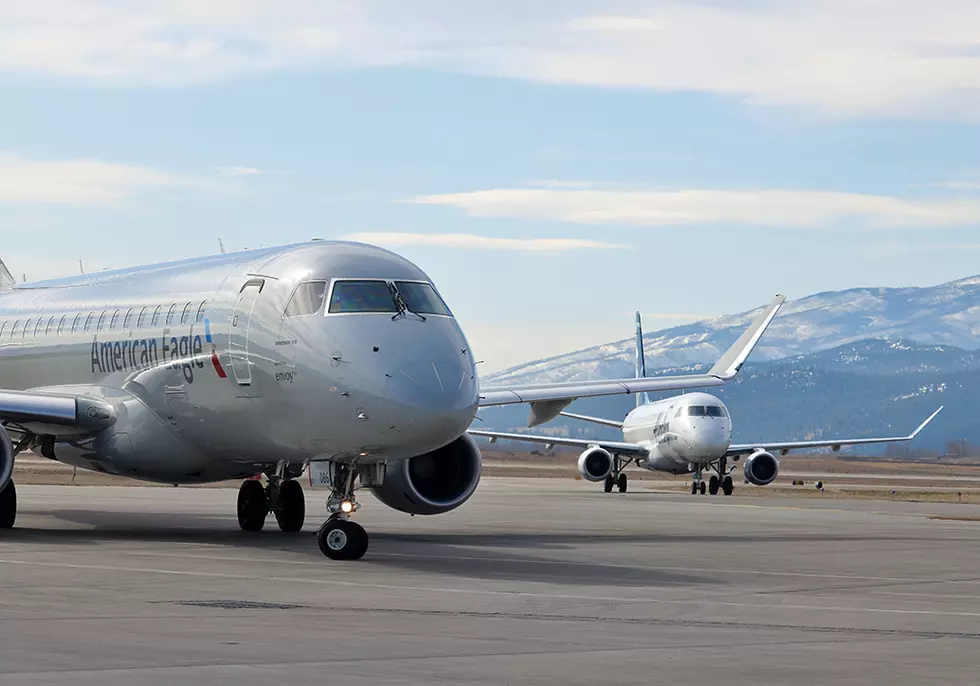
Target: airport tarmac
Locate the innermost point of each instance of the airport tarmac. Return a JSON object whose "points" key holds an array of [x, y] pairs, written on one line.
{"points": [[533, 581]]}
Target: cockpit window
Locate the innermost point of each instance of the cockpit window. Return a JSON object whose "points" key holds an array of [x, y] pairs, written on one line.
{"points": [[715, 411], [696, 411], [361, 296], [308, 299], [422, 298]]}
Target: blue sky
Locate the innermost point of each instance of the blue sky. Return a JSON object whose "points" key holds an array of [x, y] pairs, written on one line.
{"points": [[553, 168]]}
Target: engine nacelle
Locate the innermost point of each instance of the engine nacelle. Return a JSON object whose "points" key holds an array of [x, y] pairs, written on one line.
{"points": [[6, 458], [595, 464], [760, 468], [433, 483]]}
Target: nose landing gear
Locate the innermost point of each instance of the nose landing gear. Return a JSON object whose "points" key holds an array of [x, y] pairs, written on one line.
{"points": [[339, 538], [722, 480]]}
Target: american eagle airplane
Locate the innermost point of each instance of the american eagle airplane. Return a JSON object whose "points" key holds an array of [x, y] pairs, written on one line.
{"points": [[686, 434], [335, 355]]}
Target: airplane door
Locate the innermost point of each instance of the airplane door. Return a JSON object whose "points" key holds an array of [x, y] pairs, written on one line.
{"points": [[238, 339]]}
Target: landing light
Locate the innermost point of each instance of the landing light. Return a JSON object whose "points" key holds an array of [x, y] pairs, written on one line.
{"points": [[347, 507]]}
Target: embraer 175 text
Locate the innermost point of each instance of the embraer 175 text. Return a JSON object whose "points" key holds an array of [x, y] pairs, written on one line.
{"points": [[337, 354], [686, 434]]}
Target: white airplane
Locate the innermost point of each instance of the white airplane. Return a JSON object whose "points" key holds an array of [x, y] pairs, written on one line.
{"points": [[686, 434], [265, 362]]}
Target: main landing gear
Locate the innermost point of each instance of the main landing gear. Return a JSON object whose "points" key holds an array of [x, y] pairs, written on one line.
{"points": [[617, 477], [283, 497], [8, 505], [722, 480], [339, 538]]}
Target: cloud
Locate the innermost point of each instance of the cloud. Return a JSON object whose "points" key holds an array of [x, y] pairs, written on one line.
{"points": [[85, 181], [240, 171], [828, 57], [650, 208], [470, 241], [960, 185]]}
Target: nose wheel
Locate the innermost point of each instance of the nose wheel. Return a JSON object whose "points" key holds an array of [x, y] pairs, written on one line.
{"points": [[342, 539], [339, 538]]}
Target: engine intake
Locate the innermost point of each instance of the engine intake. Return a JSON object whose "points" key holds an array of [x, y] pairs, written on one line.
{"points": [[433, 483], [6, 458], [761, 468], [595, 464]]}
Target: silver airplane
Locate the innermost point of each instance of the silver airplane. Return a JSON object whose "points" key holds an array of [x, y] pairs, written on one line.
{"points": [[263, 362], [686, 434]]}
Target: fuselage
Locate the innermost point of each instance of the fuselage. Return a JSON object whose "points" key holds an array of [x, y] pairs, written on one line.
{"points": [[680, 432], [221, 365]]}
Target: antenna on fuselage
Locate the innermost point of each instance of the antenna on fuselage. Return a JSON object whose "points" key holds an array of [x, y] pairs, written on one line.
{"points": [[81, 267], [641, 365], [221, 246]]}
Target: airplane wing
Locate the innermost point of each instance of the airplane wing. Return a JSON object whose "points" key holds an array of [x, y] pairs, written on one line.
{"points": [[611, 446], [785, 447], [547, 400], [55, 411]]}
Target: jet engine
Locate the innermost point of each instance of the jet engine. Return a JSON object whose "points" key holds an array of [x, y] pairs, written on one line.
{"points": [[595, 464], [6, 458], [760, 468], [433, 483]]}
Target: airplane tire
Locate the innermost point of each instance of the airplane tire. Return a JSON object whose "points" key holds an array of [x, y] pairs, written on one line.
{"points": [[342, 539], [622, 483], [292, 507], [703, 487], [713, 485], [694, 488], [252, 506], [8, 505], [608, 484], [728, 486]]}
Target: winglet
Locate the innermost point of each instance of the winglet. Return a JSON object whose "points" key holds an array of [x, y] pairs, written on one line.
{"points": [[923, 424], [731, 362], [6, 280], [641, 365]]}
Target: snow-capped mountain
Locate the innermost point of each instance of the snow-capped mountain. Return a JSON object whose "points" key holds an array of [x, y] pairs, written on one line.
{"points": [[944, 315]]}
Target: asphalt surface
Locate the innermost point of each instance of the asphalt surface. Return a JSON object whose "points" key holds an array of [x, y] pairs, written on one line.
{"points": [[532, 582]]}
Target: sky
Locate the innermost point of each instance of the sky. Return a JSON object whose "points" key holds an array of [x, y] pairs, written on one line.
{"points": [[554, 166]]}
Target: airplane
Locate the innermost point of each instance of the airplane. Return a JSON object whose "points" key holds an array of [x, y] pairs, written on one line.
{"points": [[685, 434], [261, 362]]}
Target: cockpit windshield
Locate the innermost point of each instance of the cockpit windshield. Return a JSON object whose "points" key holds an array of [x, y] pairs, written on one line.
{"points": [[706, 411], [361, 296], [422, 298]]}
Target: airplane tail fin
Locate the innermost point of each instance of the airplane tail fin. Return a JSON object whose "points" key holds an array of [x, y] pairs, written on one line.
{"points": [[6, 280], [641, 365]]}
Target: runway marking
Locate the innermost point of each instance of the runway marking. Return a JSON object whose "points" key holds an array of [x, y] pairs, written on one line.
{"points": [[513, 594], [518, 560]]}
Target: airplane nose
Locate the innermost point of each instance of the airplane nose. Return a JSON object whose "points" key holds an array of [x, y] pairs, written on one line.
{"points": [[433, 400]]}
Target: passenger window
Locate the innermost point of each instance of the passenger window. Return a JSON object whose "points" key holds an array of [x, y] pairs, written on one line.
{"points": [[308, 299], [74, 323], [141, 319], [49, 329], [170, 314], [3, 330], [101, 323], [61, 324], [200, 312], [128, 320], [422, 298], [15, 328], [185, 315], [114, 322], [156, 316], [88, 321], [695, 411], [27, 328], [361, 296]]}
